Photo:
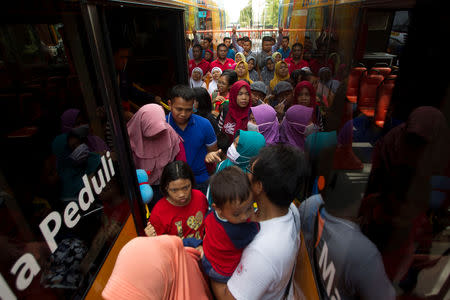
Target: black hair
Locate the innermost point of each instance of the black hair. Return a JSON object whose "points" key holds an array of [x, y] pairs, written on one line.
{"points": [[173, 171], [295, 75], [221, 45], [223, 141], [182, 91], [248, 40], [229, 185], [197, 46], [267, 39], [204, 101], [208, 38], [188, 40], [226, 38], [240, 39], [286, 38], [283, 171], [231, 75], [297, 45]]}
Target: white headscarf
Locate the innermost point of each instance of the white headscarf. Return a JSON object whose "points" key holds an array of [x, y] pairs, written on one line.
{"points": [[198, 83], [213, 83]]}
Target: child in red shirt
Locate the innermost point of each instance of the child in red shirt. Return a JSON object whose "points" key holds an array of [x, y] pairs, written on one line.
{"points": [[228, 229], [182, 210]]}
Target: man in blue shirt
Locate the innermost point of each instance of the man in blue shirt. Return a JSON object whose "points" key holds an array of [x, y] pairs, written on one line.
{"points": [[285, 50], [197, 133], [231, 53]]}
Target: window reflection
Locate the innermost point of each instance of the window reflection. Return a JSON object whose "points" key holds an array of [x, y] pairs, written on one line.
{"points": [[61, 202]]}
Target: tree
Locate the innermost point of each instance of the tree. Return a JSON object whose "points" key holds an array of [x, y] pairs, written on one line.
{"points": [[245, 17], [271, 14]]}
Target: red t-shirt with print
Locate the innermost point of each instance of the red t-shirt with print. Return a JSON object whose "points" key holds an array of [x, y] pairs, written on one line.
{"points": [[203, 64], [295, 66], [183, 221], [227, 65]]}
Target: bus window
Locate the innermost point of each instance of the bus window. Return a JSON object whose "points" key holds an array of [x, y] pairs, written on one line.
{"points": [[61, 198]]}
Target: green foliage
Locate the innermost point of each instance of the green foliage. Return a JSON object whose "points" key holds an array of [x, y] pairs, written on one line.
{"points": [[270, 16], [245, 17]]}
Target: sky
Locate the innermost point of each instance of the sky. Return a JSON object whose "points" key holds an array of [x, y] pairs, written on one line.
{"points": [[233, 8]]}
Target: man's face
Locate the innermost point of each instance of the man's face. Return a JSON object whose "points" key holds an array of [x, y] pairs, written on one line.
{"points": [[256, 95], [297, 52], [247, 46], [240, 43], [197, 53], [222, 52], [206, 44], [121, 59], [267, 46], [227, 42], [181, 110], [285, 43]]}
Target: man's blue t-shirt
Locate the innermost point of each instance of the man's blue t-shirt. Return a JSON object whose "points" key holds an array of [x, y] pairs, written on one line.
{"points": [[284, 53], [231, 53], [197, 135]]}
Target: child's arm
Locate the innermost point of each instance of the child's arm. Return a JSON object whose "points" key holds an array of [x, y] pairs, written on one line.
{"points": [[150, 230]]}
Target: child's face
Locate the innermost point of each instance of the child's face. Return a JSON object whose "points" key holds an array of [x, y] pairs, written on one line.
{"points": [[179, 192], [216, 75], [236, 212]]}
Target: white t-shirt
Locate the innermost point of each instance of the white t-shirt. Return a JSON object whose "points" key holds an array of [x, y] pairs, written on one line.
{"points": [[267, 262]]}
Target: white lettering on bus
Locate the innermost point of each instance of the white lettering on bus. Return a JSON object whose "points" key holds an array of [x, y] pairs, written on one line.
{"points": [[5, 291], [28, 269], [26, 266]]}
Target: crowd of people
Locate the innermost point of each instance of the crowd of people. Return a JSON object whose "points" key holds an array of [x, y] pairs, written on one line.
{"points": [[239, 146]]}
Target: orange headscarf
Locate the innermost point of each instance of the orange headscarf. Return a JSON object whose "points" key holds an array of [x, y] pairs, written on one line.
{"points": [[246, 75], [277, 78], [159, 267]]}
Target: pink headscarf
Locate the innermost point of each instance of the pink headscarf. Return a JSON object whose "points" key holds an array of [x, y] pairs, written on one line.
{"points": [[153, 141], [267, 121], [294, 124], [160, 268]]}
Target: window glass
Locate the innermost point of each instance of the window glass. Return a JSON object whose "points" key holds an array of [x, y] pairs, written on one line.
{"points": [[61, 200], [378, 149]]}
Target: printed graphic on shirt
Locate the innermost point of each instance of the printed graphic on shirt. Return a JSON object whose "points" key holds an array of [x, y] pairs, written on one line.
{"points": [[328, 272], [229, 128], [193, 222]]}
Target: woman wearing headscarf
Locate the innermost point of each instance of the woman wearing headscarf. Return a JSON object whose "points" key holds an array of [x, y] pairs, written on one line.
{"points": [[253, 74], [305, 94], [293, 127], [410, 165], [242, 71], [245, 146], [209, 55], [235, 117], [153, 141], [72, 120], [149, 268], [239, 57], [268, 71], [277, 57], [196, 78], [266, 122], [281, 74], [215, 72]]}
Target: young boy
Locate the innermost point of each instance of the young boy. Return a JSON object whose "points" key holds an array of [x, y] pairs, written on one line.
{"points": [[228, 229]]}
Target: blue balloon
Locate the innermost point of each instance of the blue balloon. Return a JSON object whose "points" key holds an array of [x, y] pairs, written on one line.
{"points": [[146, 189]]}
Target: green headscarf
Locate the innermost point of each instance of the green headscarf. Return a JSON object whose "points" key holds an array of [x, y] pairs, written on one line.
{"points": [[250, 142]]}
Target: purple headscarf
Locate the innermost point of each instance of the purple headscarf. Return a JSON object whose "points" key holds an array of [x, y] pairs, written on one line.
{"points": [[68, 120], [292, 130], [266, 119]]}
